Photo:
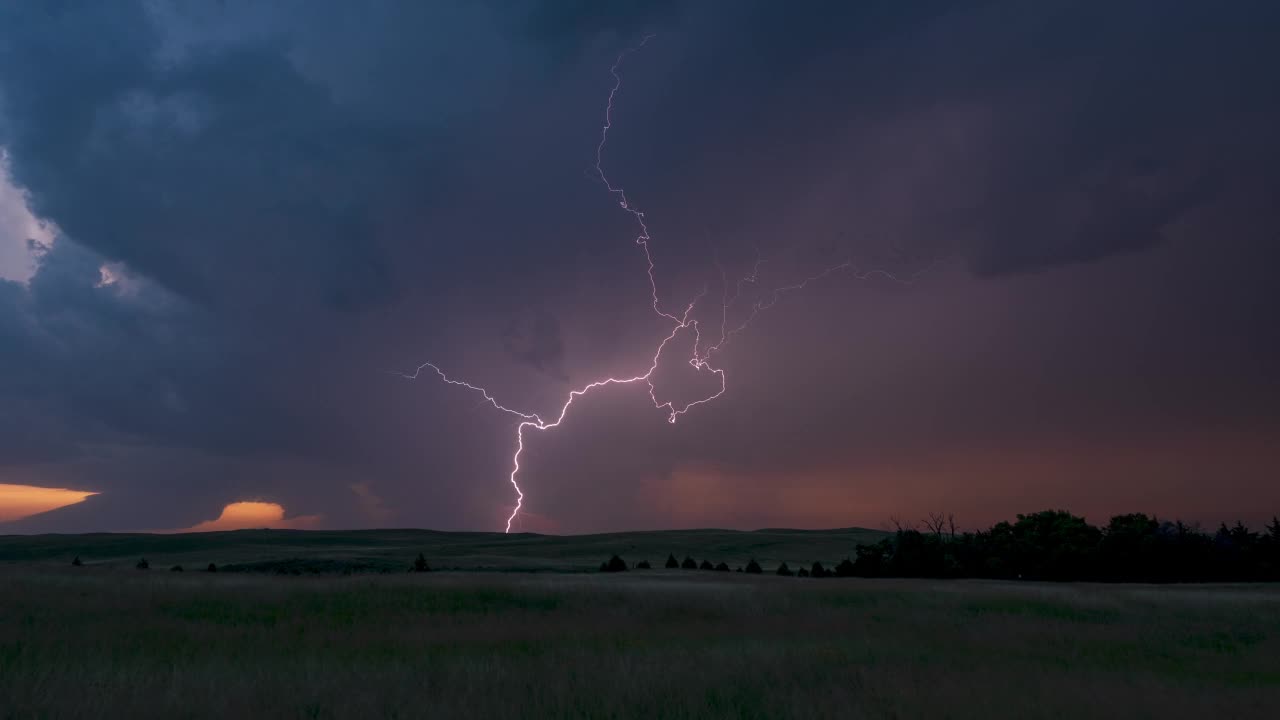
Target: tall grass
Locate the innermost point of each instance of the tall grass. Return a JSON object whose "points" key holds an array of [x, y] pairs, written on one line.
{"points": [[94, 642]]}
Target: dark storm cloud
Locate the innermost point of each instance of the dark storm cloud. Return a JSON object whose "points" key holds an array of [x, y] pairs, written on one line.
{"points": [[297, 196], [533, 338]]}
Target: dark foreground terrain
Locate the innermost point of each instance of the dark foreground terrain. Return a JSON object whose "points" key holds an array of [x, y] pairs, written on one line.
{"points": [[107, 640]]}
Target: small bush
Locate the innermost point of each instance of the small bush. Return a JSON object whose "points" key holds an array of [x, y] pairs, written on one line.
{"points": [[643, 565], [143, 564], [211, 568], [818, 571], [420, 564], [672, 563], [706, 565], [76, 561], [176, 568], [784, 570], [802, 573], [753, 567], [722, 567], [615, 564], [689, 563]]}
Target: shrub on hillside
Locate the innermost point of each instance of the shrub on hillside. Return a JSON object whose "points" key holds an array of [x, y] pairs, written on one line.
{"points": [[143, 564], [615, 564], [722, 567], [643, 565], [176, 568], [844, 569], [672, 563], [784, 570], [211, 568], [420, 564], [76, 561], [753, 567], [689, 563], [818, 571], [802, 573], [706, 565]]}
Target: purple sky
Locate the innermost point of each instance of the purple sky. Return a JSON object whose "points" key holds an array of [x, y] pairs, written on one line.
{"points": [[291, 200]]}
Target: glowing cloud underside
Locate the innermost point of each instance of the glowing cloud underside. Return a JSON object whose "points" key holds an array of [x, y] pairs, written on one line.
{"points": [[252, 516], [681, 320], [19, 501]]}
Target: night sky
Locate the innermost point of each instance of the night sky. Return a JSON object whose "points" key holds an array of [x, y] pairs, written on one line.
{"points": [[223, 224]]}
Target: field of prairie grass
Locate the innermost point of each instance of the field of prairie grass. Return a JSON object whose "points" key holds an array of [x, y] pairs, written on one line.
{"points": [[116, 642]]}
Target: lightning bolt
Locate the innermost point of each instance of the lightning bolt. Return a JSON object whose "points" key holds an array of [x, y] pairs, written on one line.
{"points": [[700, 358]]}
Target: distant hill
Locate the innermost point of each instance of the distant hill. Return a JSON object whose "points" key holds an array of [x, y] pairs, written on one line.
{"points": [[394, 550]]}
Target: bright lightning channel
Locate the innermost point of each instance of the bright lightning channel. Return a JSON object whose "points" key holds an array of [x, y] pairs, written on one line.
{"points": [[701, 356]]}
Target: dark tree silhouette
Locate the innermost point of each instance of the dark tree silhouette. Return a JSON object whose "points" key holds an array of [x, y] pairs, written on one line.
{"points": [[738, 569], [722, 567], [802, 573], [784, 570], [211, 568], [176, 568], [845, 569], [143, 564], [753, 567], [642, 565], [615, 564], [76, 561], [672, 563], [936, 523], [818, 571], [1056, 545], [689, 563], [420, 564], [706, 565]]}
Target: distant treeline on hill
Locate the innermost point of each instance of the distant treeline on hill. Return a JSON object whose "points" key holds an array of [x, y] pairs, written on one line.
{"points": [[1056, 545], [1051, 545]]}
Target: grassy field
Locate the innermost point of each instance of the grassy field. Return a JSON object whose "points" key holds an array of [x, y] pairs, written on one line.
{"points": [[106, 640], [394, 550]]}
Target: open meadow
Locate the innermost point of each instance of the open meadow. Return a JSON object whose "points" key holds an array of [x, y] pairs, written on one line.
{"points": [[108, 640]]}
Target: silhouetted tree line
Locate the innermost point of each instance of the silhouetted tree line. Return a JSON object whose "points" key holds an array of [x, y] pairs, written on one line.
{"points": [[616, 564], [1047, 545], [1056, 545]]}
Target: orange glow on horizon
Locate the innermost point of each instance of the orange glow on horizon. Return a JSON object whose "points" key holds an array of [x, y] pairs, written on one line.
{"points": [[253, 515], [20, 501]]}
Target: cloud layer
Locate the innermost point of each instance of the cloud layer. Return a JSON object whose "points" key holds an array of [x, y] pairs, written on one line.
{"points": [[292, 199]]}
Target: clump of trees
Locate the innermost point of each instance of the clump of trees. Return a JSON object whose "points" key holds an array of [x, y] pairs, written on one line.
{"points": [[753, 567], [615, 564], [706, 565], [1056, 545], [722, 566], [672, 563], [689, 563], [642, 565], [784, 570], [420, 564]]}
